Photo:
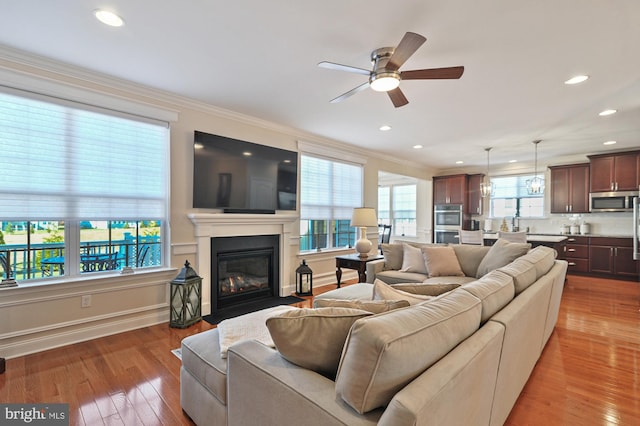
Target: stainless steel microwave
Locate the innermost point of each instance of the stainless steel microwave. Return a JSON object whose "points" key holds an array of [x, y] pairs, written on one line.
{"points": [[612, 201]]}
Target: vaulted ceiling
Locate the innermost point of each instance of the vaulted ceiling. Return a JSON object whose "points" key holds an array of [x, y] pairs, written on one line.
{"points": [[260, 58]]}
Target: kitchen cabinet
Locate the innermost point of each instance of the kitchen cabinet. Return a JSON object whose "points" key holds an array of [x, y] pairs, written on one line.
{"points": [[612, 256], [450, 189], [570, 188], [614, 172], [576, 253], [474, 198]]}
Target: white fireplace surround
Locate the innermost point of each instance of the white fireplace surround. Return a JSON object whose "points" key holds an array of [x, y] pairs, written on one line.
{"points": [[210, 225]]}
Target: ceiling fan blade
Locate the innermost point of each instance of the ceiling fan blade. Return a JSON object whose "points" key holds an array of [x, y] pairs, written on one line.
{"points": [[407, 47], [340, 67], [433, 73], [350, 93], [397, 97]]}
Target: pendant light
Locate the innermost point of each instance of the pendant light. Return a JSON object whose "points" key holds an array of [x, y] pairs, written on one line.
{"points": [[535, 186], [486, 186]]}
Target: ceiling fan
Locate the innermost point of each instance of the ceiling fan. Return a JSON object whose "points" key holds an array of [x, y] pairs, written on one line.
{"points": [[385, 75]]}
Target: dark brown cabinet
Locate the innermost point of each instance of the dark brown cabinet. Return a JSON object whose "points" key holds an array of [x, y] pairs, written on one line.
{"points": [[474, 198], [570, 188], [449, 189], [615, 172], [612, 256], [576, 252]]}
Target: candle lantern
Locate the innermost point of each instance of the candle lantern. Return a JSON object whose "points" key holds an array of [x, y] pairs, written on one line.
{"points": [[304, 280], [186, 298]]}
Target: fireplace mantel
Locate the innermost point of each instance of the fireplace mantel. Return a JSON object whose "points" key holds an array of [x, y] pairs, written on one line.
{"points": [[210, 225]]}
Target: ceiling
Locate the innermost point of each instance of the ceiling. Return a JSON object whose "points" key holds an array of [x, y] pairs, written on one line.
{"points": [[260, 58]]}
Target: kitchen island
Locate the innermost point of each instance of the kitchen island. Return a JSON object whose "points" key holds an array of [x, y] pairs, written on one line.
{"points": [[557, 242]]}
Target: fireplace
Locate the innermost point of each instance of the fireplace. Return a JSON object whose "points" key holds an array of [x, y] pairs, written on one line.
{"points": [[243, 269]]}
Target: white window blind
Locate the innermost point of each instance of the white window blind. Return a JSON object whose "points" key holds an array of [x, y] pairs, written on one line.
{"points": [[329, 189], [62, 160]]}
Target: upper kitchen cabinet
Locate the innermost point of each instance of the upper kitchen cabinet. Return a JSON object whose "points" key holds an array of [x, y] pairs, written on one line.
{"points": [[570, 188], [449, 189], [615, 172], [474, 198]]}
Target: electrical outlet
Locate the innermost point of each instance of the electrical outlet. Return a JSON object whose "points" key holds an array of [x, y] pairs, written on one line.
{"points": [[85, 301]]}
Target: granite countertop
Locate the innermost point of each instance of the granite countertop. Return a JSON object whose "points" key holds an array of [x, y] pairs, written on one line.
{"points": [[533, 237]]}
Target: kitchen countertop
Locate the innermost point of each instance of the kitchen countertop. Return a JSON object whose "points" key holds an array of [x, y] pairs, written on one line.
{"points": [[532, 237]]}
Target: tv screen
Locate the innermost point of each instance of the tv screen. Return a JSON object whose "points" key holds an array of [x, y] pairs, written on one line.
{"points": [[242, 177]]}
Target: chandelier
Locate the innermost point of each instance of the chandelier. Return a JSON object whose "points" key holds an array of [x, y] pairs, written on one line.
{"points": [[535, 185], [486, 186]]}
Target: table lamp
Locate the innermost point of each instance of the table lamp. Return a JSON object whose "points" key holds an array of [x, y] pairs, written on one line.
{"points": [[362, 218]]}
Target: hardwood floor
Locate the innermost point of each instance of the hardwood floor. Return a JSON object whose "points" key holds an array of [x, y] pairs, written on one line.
{"points": [[589, 372]]}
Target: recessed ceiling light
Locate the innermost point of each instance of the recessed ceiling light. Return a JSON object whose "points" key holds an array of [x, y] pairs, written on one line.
{"points": [[385, 128], [198, 145], [247, 154], [459, 162], [417, 147], [577, 79], [513, 161], [607, 112], [108, 18], [610, 143]]}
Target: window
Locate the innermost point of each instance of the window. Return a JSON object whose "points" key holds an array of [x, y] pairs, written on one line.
{"points": [[329, 190], [510, 198], [83, 190], [397, 207]]}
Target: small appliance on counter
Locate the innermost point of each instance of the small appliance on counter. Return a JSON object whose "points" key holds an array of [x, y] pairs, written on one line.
{"points": [[585, 229], [564, 229], [575, 229]]}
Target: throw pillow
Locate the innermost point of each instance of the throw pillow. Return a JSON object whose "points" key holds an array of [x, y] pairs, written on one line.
{"points": [[442, 262], [383, 291], [248, 327], [425, 289], [392, 256], [373, 306], [412, 260], [313, 338], [500, 254]]}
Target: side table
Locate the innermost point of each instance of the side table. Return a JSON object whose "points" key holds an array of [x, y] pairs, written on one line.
{"points": [[354, 261]]}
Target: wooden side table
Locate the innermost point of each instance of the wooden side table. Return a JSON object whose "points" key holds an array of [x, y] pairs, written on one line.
{"points": [[354, 261]]}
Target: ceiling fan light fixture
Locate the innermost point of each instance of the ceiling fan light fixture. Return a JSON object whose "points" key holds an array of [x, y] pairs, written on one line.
{"points": [[384, 81]]}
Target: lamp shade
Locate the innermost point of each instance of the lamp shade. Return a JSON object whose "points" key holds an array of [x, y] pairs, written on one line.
{"points": [[364, 216]]}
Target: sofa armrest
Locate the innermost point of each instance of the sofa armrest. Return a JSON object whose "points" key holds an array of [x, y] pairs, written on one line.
{"points": [[373, 268], [264, 388]]}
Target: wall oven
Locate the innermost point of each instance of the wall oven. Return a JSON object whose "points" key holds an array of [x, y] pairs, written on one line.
{"points": [[447, 221]]}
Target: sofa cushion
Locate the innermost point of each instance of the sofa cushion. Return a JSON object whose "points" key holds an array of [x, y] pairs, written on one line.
{"points": [[425, 289], [522, 272], [384, 352], [373, 306], [495, 290], [469, 257], [449, 280], [412, 260], [201, 358], [441, 261], [383, 291], [542, 258], [501, 253], [393, 277], [392, 255], [313, 338], [248, 327]]}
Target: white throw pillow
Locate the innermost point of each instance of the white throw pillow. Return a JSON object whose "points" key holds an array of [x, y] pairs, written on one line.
{"points": [[250, 326], [412, 260]]}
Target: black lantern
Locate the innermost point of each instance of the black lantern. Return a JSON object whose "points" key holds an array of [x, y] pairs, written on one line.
{"points": [[186, 298], [304, 280]]}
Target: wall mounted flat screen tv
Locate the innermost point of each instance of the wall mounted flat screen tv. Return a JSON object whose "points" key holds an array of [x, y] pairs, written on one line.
{"points": [[242, 177]]}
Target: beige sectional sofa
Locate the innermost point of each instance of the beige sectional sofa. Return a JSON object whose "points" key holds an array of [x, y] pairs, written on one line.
{"points": [[461, 357]]}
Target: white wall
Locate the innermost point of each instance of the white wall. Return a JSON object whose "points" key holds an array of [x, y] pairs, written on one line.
{"points": [[38, 317]]}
